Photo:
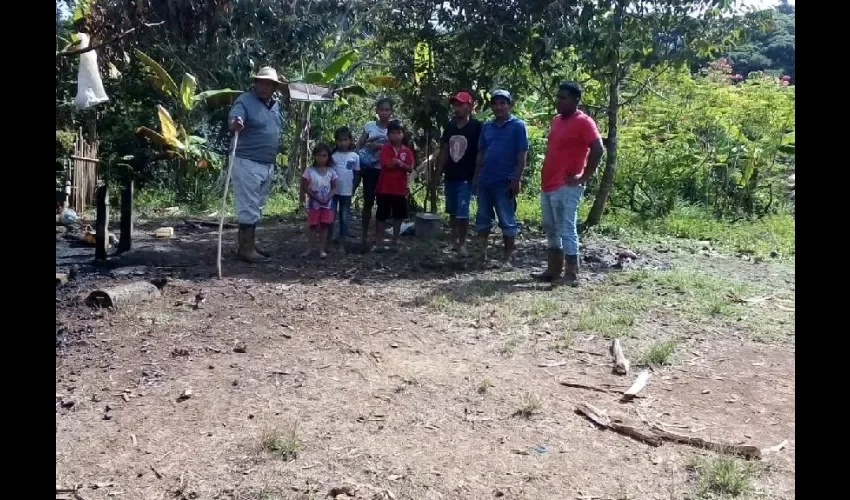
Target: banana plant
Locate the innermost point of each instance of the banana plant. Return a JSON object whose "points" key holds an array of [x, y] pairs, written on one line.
{"points": [[336, 75], [186, 94], [190, 150]]}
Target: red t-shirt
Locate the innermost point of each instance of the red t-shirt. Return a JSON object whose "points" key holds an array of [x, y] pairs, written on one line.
{"points": [[568, 146], [392, 179]]}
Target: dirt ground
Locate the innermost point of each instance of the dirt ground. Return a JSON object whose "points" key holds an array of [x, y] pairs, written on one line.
{"points": [[416, 375]]}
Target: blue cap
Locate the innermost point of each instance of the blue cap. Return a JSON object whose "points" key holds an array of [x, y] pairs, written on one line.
{"points": [[503, 94]]}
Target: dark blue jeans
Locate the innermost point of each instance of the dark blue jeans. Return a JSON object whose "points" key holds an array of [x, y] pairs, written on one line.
{"points": [[495, 202], [342, 207]]}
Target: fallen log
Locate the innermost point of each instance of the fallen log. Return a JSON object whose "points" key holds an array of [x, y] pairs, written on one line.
{"points": [[131, 293], [637, 386], [600, 418], [744, 450], [621, 363]]}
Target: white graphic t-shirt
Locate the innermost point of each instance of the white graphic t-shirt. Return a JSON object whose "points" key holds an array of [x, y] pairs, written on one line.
{"points": [[345, 164], [457, 147], [320, 185]]}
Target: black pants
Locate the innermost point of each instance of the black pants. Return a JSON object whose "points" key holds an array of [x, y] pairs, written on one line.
{"points": [[391, 206], [370, 183]]}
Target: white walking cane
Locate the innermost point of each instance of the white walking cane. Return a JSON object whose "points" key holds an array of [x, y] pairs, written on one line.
{"points": [[224, 199]]}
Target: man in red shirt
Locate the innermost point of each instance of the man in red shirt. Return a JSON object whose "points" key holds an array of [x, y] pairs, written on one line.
{"points": [[396, 162], [572, 156]]}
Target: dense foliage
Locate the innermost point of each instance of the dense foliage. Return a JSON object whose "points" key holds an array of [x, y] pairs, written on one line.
{"points": [[702, 137]]}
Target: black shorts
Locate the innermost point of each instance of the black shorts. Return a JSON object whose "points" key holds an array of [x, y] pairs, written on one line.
{"points": [[370, 183], [391, 206]]}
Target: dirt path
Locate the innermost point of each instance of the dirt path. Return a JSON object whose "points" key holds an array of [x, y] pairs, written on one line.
{"points": [[415, 376]]}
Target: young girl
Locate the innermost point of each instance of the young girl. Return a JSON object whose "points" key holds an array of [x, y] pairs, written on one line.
{"points": [[374, 136], [396, 162], [347, 165], [318, 184]]}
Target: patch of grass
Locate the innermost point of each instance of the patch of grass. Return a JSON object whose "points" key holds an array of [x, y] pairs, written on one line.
{"points": [[761, 237], [565, 341], [529, 405], [283, 443], [282, 203], [723, 476], [659, 353], [484, 386], [540, 306], [611, 312], [509, 348]]}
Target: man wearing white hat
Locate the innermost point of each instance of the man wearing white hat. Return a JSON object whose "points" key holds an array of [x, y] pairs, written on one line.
{"points": [[256, 116]]}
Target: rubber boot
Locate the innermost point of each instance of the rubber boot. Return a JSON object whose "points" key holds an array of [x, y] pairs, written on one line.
{"points": [[483, 240], [554, 266], [257, 247], [510, 244], [247, 252], [570, 271]]}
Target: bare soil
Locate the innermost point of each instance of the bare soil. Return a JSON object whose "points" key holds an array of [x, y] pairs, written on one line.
{"points": [[413, 374]]}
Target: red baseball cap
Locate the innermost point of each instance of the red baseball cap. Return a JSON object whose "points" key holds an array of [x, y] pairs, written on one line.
{"points": [[463, 98]]}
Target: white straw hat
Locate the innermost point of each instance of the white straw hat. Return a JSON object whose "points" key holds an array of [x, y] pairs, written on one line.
{"points": [[269, 73]]}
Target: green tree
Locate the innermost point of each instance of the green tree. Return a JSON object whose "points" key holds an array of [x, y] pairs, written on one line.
{"points": [[770, 45]]}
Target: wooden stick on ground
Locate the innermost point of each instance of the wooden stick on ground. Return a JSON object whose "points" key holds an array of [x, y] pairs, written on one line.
{"points": [[583, 386], [637, 386], [656, 435], [621, 363], [744, 450], [601, 419]]}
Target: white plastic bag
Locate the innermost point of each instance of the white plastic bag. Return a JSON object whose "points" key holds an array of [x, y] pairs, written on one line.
{"points": [[90, 90]]}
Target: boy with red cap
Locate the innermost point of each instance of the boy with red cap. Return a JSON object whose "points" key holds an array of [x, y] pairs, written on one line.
{"points": [[457, 161]]}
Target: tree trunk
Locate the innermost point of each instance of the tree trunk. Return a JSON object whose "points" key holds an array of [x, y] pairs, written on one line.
{"points": [[126, 241], [595, 215], [101, 225], [433, 180]]}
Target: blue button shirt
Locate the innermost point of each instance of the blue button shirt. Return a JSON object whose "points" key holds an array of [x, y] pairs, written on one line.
{"points": [[501, 143], [259, 141]]}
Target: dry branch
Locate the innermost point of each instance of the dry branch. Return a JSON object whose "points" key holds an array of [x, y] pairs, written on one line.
{"points": [[583, 386], [744, 450], [656, 435], [601, 419], [621, 363]]}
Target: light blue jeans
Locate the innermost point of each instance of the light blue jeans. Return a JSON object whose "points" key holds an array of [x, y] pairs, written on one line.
{"points": [[560, 213], [251, 183]]}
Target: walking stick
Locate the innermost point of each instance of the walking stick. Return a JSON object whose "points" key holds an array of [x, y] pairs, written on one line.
{"points": [[224, 199]]}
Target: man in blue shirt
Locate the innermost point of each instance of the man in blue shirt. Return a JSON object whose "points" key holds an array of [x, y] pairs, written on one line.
{"points": [[502, 153], [256, 116]]}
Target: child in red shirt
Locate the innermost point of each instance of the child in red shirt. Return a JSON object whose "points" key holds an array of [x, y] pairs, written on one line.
{"points": [[396, 162]]}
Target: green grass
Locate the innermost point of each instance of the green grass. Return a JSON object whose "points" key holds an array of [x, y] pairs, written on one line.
{"points": [[659, 353], [529, 405], [484, 386], [772, 235], [723, 477], [283, 443], [151, 203], [612, 308], [759, 237]]}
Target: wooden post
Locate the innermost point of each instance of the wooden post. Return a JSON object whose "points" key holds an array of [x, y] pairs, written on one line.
{"points": [[102, 224], [126, 226]]}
